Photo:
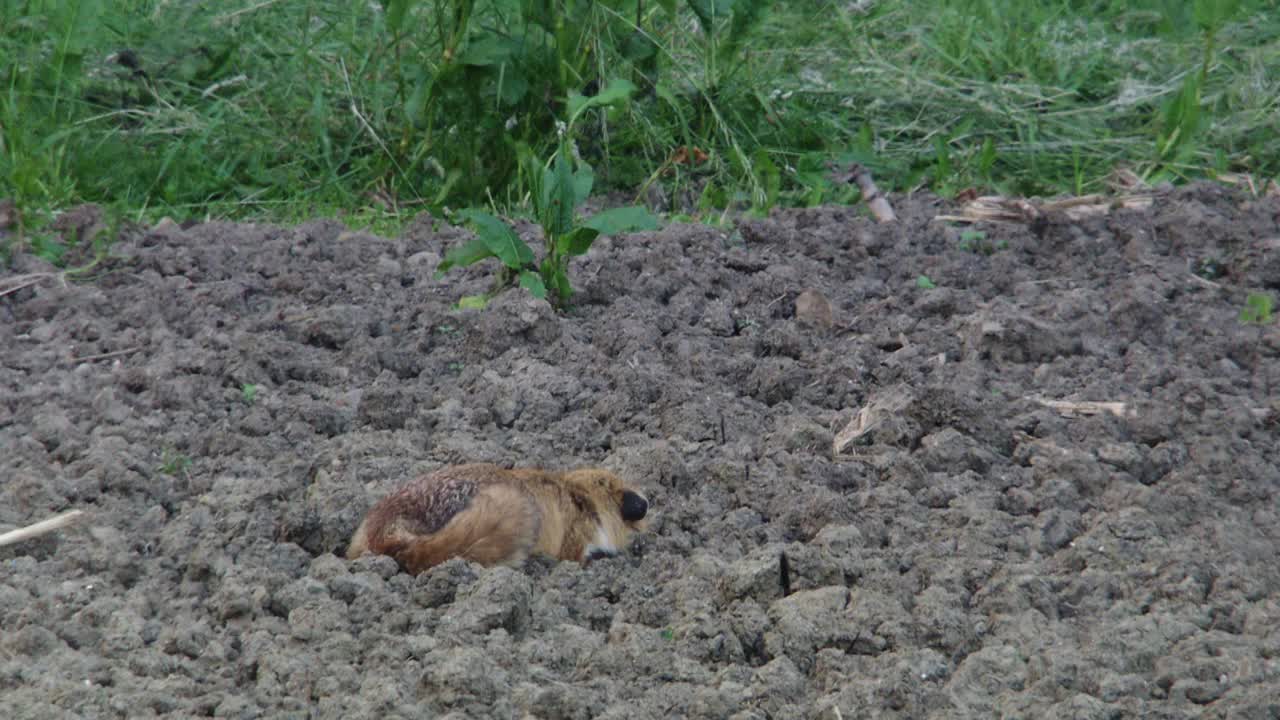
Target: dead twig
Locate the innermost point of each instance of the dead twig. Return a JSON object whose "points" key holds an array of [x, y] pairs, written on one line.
{"points": [[885, 406], [40, 528], [1085, 408], [107, 355], [859, 175], [1203, 281], [1000, 209], [22, 282]]}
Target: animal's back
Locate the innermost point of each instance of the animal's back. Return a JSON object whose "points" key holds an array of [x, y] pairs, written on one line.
{"points": [[471, 511]]}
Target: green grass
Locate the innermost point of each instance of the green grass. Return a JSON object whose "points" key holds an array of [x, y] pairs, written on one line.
{"points": [[294, 109]]}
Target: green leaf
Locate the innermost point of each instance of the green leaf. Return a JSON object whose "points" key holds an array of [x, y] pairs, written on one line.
{"points": [[472, 302], [488, 51], [396, 11], [583, 179], [708, 11], [713, 196], [624, 219], [674, 103], [512, 86], [1211, 15], [577, 242], [545, 192], [1258, 309], [747, 15], [560, 205], [987, 157], [415, 106], [770, 177], [539, 12], [924, 283], [560, 283], [472, 251], [1181, 120], [74, 25], [556, 279], [618, 90], [451, 179], [535, 175], [499, 238], [532, 281], [639, 47], [48, 250]]}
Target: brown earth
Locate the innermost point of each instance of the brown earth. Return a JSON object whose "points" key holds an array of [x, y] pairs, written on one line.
{"points": [[226, 400]]}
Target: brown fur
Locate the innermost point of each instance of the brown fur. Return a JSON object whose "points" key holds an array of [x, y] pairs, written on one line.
{"points": [[492, 515]]}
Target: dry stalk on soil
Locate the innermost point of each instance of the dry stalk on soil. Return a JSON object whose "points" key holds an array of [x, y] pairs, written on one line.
{"points": [[1000, 209], [106, 355], [22, 282], [1268, 188], [44, 526], [11, 285], [1086, 408], [861, 176], [886, 405]]}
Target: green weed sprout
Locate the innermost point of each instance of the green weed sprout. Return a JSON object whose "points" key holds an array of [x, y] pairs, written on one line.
{"points": [[173, 463], [975, 241], [1258, 309], [558, 189]]}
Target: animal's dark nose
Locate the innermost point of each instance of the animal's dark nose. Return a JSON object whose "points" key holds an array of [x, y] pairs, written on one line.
{"points": [[634, 506]]}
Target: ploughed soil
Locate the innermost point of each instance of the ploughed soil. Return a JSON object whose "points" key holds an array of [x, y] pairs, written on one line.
{"points": [[224, 402]]}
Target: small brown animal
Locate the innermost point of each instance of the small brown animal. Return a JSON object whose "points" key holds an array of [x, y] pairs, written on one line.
{"points": [[491, 515]]}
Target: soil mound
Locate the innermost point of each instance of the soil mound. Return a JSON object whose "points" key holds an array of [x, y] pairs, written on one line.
{"points": [[226, 400]]}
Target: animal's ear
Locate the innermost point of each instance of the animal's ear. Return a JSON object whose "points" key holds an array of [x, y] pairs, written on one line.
{"points": [[634, 506]]}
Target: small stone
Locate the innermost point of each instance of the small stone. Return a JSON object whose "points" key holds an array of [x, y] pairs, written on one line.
{"points": [[326, 567], [813, 309], [1125, 456], [839, 539]]}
